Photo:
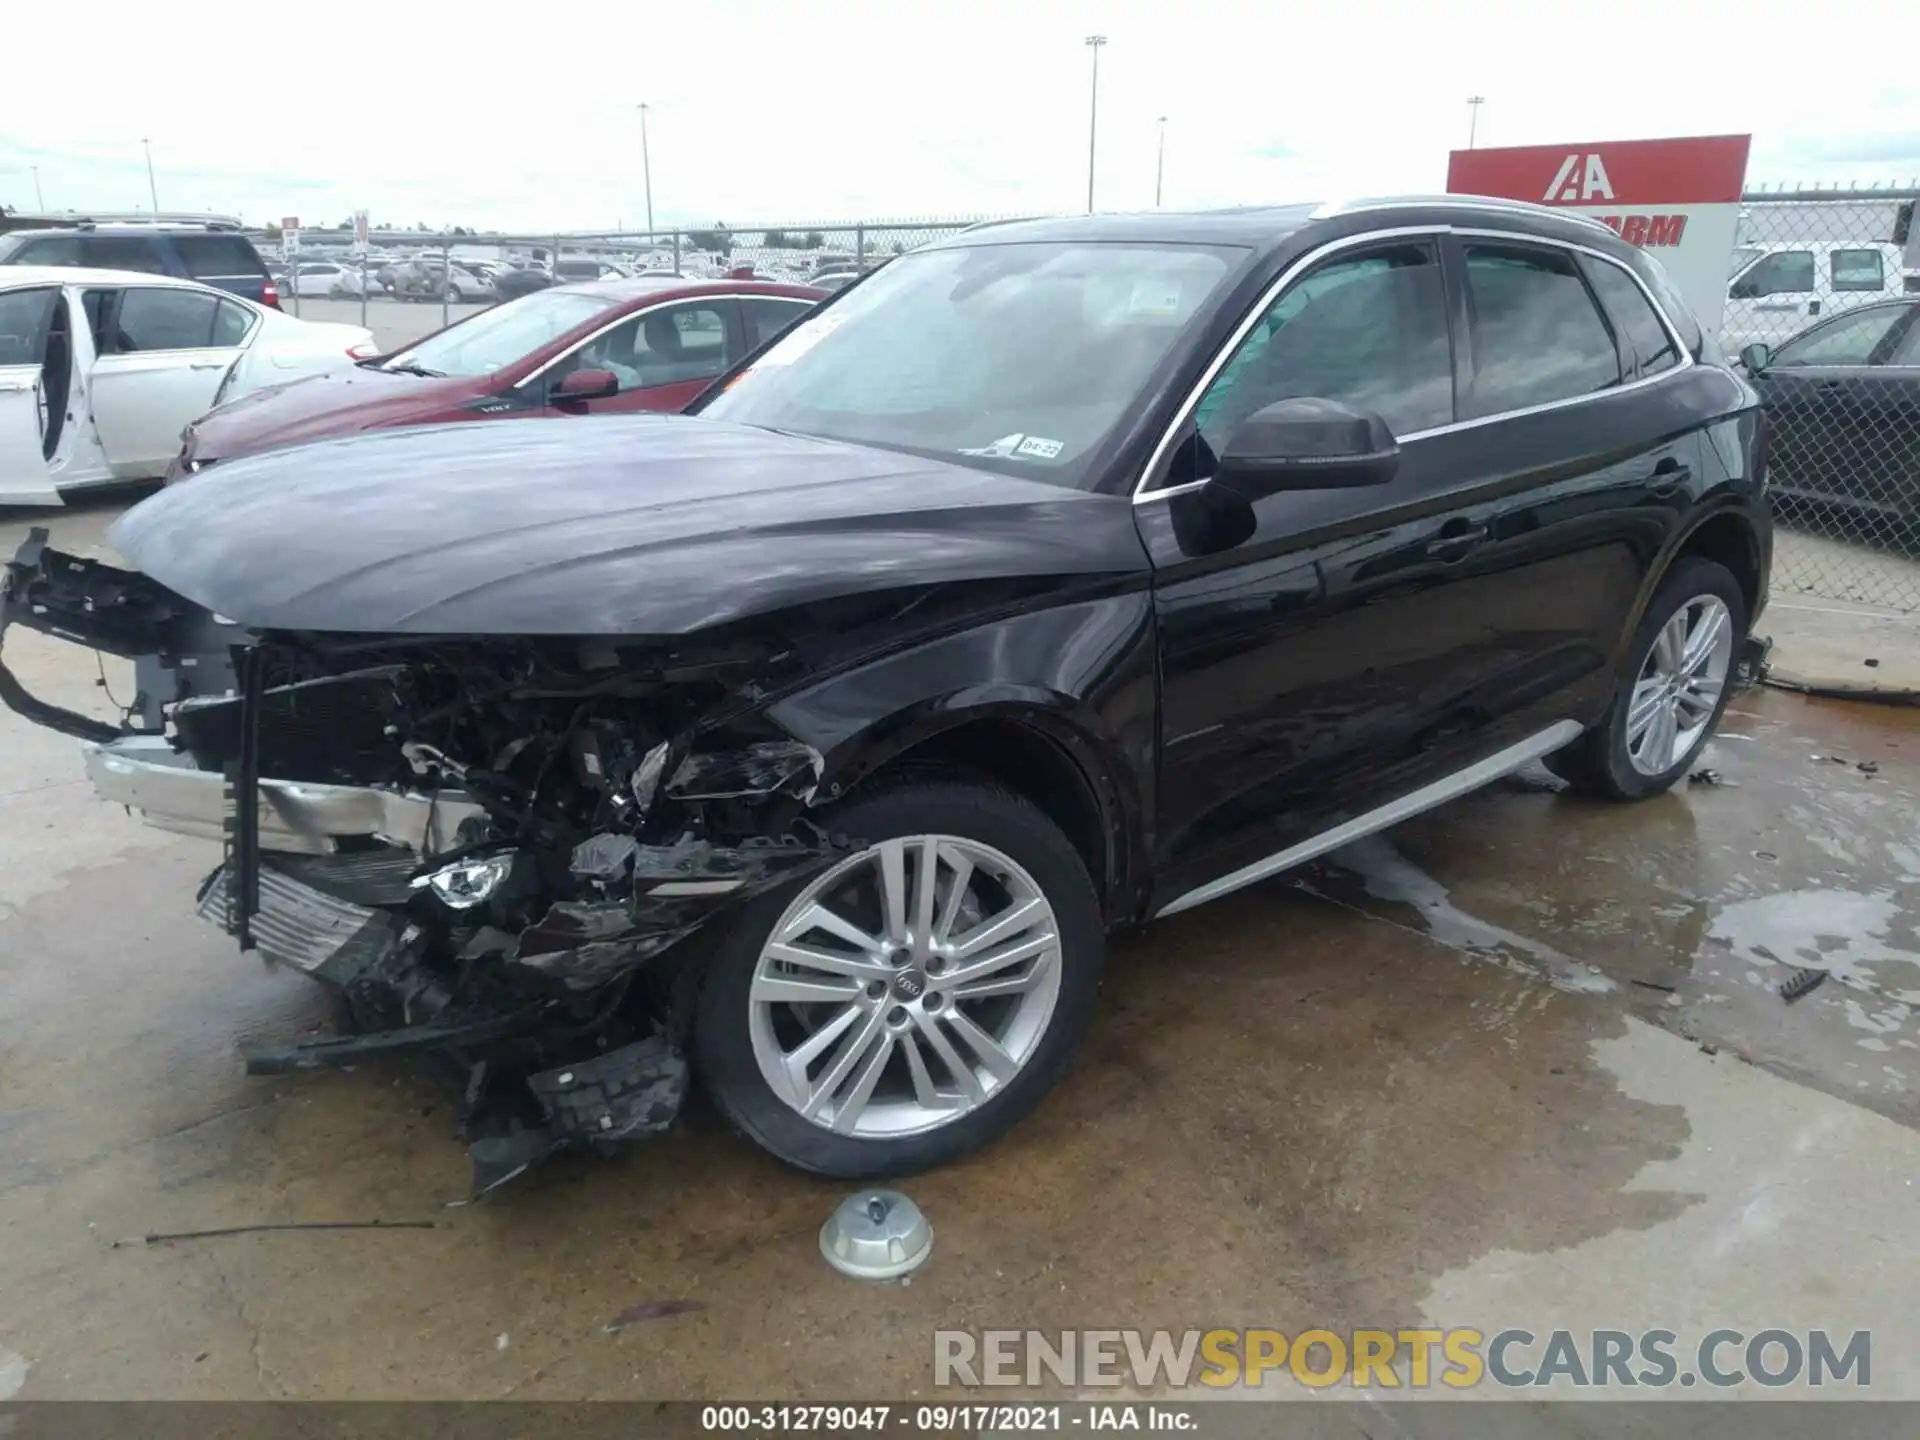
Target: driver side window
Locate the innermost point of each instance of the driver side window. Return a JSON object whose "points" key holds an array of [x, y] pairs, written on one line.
{"points": [[1368, 329], [662, 347]]}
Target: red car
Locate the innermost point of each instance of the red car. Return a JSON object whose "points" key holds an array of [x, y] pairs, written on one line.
{"points": [[596, 347]]}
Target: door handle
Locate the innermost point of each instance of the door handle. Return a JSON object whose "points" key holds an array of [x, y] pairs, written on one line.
{"points": [[207, 364], [1455, 539], [1667, 479]]}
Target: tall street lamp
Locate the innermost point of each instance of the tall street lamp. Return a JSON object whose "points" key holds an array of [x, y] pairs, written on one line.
{"points": [[153, 191], [39, 200], [1094, 42], [1474, 102], [1160, 162], [646, 166]]}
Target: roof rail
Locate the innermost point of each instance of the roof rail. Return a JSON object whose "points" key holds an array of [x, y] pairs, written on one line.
{"points": [[76, 221], [1474, 202]]}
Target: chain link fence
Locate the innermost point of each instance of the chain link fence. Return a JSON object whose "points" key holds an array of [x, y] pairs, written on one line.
{"points": [[451, 270], [1823, 309]]}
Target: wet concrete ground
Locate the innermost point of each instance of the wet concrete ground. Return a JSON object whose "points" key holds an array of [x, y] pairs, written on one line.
{"points": [[1521, 1062]]}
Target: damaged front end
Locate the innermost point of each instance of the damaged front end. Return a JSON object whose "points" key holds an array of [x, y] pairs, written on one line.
{"points": [[492, 849]]}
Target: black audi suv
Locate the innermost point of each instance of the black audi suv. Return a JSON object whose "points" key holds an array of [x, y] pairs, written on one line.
{"points": [[1062, 575]]}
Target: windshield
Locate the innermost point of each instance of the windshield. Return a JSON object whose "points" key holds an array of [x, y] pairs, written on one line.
{"points": [[494, 339], [1019, 357]]}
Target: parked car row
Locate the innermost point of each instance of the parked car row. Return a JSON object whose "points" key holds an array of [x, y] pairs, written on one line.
{"points": [[1050, 580]]}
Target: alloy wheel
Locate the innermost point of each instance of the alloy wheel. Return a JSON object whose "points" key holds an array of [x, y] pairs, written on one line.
{"points": [[905, 987], [1680, 685]]}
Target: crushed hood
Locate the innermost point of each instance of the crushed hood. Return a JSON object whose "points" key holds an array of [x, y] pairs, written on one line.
{"points": [[321, 407], [616, 525]]}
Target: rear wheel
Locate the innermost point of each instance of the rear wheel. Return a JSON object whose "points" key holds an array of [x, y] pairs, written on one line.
{"points": [[1681, 666], [913, 1001]]}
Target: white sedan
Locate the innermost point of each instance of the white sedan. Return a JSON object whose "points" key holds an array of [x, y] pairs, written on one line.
{"points": [[320, 279], [100, 370]]}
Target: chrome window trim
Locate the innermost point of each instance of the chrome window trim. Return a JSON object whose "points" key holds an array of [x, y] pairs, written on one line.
{"points": [[1313, 257], [644, 310]]}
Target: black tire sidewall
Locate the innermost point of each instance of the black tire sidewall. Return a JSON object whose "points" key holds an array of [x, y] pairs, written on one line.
{"points": [[1691, 578], [723, 1048]]}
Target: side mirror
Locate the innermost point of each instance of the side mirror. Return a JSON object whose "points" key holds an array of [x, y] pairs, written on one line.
{"points": [[1756, 357], [587, 385], [1307, 444]]}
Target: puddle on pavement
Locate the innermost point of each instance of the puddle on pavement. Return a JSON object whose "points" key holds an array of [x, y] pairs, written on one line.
{"points": [[1703, 902]]}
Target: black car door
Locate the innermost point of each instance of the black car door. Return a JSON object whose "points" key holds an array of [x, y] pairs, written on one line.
{"points": [[1841, 401], [1331, 659]]}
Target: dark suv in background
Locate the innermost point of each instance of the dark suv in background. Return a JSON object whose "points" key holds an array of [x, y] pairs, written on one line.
{"points": [[213, 255]]}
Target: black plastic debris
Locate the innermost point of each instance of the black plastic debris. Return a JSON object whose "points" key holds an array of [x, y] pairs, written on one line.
{"points": [[1868, 767], [1704, 777], [1801, 983]]}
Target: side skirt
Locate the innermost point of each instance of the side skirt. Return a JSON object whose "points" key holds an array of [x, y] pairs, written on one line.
{"points": [[1448, 787]]}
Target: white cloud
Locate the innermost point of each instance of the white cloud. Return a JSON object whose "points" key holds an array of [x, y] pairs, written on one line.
{"points": [[826, 110]]}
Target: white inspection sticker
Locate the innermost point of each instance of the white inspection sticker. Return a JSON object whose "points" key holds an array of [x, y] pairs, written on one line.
{"points": [[1039, 448], [1155, 297]]}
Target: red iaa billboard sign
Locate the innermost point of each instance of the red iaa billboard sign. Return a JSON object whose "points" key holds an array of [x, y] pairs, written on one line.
{"points": [[1678, 198]]}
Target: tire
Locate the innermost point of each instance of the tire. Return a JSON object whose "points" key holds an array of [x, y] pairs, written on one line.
{"points": [[1603, 762], [732, 1018]]}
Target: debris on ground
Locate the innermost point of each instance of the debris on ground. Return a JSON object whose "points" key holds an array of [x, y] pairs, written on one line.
{"points": [[1705, 777], [165, 1236], [1707, 1047], [1871, 663], [1868, 767], [876, 1235], [1655, 985], [1802, 982], [651, 1310]]}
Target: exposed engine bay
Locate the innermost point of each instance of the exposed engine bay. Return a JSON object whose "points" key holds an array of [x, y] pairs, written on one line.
{"points": [[493, 850]]}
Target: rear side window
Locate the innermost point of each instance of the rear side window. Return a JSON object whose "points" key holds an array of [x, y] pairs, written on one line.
{"points": [[231, 323], [1633, 318], [222, 257], [1858, 270], [50, 250], [1370, 330], [767, 318], [1785, 272], [122, 252], [155, 319], [1536, 335]]}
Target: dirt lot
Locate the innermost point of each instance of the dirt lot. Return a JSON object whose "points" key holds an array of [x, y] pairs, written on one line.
{"points": [[1519, 1063]]}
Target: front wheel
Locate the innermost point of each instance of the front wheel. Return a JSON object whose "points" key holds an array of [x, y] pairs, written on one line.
{"points": [[1681, 666], [914, 1000]]}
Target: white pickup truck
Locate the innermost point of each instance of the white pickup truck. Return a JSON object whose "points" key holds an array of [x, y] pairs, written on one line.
{"points": [[1777, 290]]}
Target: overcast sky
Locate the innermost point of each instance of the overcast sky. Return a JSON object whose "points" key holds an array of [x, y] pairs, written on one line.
{"points": [[771, 110]]}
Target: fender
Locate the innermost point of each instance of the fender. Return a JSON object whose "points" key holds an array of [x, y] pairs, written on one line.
{"points": [[1081, 676], [1725, 500]]}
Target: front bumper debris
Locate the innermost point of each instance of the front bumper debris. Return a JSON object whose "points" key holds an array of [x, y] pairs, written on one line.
{"points": [[145, 773], [535, 952]]}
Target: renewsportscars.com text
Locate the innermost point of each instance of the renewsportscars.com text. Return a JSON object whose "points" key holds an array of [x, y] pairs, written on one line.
{"points": [[1459, 1358]]}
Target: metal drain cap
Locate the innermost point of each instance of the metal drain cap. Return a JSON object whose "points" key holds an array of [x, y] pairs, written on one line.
{"points": [[876, 1235]]}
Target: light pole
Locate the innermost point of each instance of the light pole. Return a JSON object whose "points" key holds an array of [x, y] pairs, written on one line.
{"points": [[153, 191], [1094, 42], [646, 166], [39, 200], [1474, 102], [1160, 162]]}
